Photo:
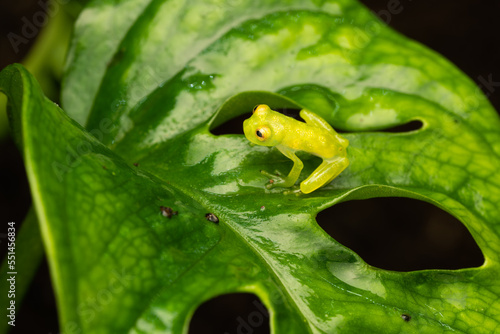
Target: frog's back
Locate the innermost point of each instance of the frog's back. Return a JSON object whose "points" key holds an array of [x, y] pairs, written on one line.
{"points": [[317, 141]]}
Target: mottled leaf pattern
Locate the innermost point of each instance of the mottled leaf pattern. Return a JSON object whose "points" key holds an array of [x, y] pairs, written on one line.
{"points": [[148, 81]]}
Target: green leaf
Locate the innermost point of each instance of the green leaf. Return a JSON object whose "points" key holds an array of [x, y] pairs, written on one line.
{"points": [[175, 71]]}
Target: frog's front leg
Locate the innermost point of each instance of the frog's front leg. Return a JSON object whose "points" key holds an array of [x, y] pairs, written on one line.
{"points": [[325, 173], [292, 177]]}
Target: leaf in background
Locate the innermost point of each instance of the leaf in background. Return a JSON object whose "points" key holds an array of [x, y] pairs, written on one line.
{"points": [[28, 256], [46, 56], [174, 76]]}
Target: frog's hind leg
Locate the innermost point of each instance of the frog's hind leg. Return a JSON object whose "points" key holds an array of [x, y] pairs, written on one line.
{"points": [[325, 173]]}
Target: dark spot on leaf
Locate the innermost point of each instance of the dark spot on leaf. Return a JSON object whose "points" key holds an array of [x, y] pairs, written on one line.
{"points": [[117, 58], [136, 164], [231, 313], [401, 234], [104, 167], [211, 217], [168, 212], [405, 317], [407, 127]]}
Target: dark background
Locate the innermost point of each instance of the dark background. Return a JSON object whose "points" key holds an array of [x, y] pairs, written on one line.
{"points": [[396, 234]]}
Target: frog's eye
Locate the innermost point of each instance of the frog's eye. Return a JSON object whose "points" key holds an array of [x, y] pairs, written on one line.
{"points": [[262, 133]]}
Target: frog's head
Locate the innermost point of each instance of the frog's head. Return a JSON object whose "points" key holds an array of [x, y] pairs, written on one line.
{"points": [[264, 127]]}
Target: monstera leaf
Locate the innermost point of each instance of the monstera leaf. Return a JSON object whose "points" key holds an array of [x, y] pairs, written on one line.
{"points": [[147, 82]]}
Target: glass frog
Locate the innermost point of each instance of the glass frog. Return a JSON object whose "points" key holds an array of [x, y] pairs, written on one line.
{"points": [[267, 127]]}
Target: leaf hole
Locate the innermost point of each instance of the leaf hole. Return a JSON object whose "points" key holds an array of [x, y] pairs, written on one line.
{"points": [[407, 127], [231, 114], [231, 313], [401, 234], [235, 125], [405, 317]]}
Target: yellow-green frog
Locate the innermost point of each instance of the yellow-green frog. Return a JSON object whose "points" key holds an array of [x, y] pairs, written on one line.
{"points": [[267, 127]]}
